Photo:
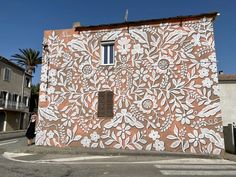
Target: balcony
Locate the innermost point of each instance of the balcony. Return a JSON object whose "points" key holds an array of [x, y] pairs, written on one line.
{"points": [[12, 105]]}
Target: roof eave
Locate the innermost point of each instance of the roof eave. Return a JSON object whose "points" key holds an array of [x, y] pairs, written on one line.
{"points": [[148, 22]]}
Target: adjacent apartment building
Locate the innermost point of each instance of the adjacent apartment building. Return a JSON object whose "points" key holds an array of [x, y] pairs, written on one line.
{"points": [[142, 85], [14, 96], [227, 83]]}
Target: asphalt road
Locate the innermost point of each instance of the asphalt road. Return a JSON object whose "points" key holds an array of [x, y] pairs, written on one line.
{"points": [[65, 165]]}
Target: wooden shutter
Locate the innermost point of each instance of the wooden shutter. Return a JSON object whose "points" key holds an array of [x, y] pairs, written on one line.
{"points": [[105, 104], [109, 104], [101, 104]]}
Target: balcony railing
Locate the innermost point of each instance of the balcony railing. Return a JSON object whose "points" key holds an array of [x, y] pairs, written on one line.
{"points": [[12, 105]]}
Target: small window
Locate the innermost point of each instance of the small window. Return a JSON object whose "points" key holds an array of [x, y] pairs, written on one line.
{"points": [[14, 97], [107, 52], [25, 101], [27, 82], [3, 95], [7, 74], [105, 104]]}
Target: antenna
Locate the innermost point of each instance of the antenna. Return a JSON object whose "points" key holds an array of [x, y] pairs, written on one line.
{"points": [[126, 15]]}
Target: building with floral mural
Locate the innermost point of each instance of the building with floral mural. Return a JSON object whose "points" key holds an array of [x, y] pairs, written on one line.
{"points": [[143, 85]]}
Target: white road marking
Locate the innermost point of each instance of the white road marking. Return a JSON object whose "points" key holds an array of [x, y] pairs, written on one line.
{"points": [[197, 173], [78, 158], [196, 161], [200, 167], [2, 143], [196, 167], [14, 155]]}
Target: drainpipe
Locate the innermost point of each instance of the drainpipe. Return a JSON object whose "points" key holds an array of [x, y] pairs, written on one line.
{"points": [[22, 88]]}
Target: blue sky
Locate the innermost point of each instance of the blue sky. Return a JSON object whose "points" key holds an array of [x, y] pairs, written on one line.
{"points": [[23, 21]]}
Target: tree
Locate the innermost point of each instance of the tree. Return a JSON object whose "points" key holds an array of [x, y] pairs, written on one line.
{"points": [[34, 97], [29, 59]]}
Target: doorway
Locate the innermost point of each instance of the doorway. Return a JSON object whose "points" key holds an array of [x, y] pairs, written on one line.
{"points": [[2, 120]]}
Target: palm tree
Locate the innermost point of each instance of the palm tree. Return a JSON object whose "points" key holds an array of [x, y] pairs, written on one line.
{"points": [[29, 59]]}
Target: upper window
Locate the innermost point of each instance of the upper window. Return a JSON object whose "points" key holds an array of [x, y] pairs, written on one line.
{"points": [[27, 82], [7, 74], [105, 104], [107, 52]]}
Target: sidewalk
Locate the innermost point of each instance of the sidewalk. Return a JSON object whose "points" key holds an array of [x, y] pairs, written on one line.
{"points": [[231, 157], [112, 152], [12, 134]]}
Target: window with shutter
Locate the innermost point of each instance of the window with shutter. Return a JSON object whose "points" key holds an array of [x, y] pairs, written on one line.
{"points": [[105, 104], [7, 74]]}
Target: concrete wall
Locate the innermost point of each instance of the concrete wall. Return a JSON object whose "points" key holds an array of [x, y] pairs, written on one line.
{"points": [[228, 101], [15, 84]]}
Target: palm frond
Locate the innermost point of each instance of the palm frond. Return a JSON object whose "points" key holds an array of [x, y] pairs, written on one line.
{"points": [[28, 58]]}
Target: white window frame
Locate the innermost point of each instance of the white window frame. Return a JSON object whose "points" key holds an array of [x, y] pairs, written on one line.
{"points": [[4, 75], [107, 43]]}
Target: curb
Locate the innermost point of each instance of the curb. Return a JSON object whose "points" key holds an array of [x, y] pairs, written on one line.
{"points": [[111, 152]]}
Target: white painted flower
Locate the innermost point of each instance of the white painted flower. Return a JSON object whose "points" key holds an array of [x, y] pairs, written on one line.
{"points": [[154, 135], [213, 67], [43, 87], [216, 90], [207, 82], [44, 68], [124, 45], [185, 117], [87, 70], [51, 90], [59, 52], [44, 77], [42, 97], [147, 104], [163, 64], [196, 138], [86, 141], [67, 121], [196, 39], [159, 145], [205, 63], [215, 77], [212, 57], [95, 136], [141, 74], [123, 130], [137, 49], [53, 81], [50, 134], [204, 72], [52, 72], [107, 76]]}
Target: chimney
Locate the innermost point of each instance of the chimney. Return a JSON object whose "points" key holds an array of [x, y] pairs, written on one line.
{"points": [[221, 72], [76, 24]]}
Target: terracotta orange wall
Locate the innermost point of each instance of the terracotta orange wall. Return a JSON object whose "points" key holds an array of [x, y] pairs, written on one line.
{"points": [[165, 86]]}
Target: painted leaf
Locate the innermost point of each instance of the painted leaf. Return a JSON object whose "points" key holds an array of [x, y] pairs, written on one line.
{"points": [[209, 110]]}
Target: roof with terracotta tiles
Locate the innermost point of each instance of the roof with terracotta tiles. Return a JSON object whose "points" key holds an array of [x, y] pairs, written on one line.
{"points": [[227, 77]]}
